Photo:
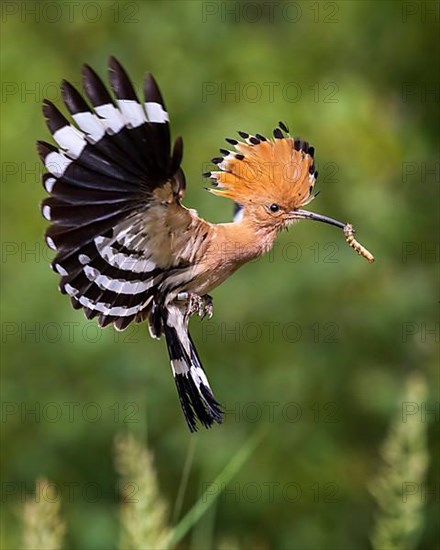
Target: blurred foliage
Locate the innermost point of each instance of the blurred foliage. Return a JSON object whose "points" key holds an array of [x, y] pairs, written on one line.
{"points": [[42, 526], [405, 457], [310, 340], [143, 511], [144, 522]]}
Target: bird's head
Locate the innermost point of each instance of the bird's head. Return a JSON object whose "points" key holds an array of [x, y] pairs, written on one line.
{"points": [[271, 179]]}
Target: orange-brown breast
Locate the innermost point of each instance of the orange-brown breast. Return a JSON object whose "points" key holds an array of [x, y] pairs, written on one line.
{"points": [[230, 245]]}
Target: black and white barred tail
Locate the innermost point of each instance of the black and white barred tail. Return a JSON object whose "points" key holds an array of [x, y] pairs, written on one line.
{"points": [[196, 397]]}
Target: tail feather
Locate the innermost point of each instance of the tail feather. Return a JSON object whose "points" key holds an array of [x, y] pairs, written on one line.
{"points": [[195, 394]]}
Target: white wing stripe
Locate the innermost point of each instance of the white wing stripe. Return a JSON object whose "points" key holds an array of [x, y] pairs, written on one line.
{"points": [[120, 260], [49, 183], [83, 259], [70, 139], [111, 117], [132, 111], [106, 309], [57, 163], [50, 243], [117, 311], [116, 285], [46, 212], [90, 124], [155, 112], [60, 269]]}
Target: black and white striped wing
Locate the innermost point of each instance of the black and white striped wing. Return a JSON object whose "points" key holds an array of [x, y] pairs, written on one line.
{"points": [[112, 167]]}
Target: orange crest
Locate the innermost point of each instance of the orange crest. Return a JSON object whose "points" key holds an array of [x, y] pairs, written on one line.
{"points": [[280, 171]]}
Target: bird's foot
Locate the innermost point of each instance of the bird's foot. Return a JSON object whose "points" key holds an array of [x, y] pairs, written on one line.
{"points": [[200, 305]]}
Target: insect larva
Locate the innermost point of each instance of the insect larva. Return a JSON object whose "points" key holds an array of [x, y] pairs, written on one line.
{"points": [[355, 245]]}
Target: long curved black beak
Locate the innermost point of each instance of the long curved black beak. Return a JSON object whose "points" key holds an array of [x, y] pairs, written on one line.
{"points": [[305, 215]]}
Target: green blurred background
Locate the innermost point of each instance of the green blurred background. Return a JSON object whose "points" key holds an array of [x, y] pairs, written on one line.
{"points": [[311, 342]]}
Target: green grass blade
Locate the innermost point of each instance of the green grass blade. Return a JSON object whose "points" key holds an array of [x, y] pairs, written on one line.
{"points": [[184, 480], [206, 500]]}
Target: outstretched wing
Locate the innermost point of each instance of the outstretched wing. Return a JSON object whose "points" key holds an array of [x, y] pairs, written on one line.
{"points": [[114, 185]]}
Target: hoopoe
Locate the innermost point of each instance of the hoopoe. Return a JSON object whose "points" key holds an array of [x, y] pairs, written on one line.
{"points": [[127, 249]]}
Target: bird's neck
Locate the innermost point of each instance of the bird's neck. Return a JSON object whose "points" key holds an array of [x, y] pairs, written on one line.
{"points": [[245, 240]]}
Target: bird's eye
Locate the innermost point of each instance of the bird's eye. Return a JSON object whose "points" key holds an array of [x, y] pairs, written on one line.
{"points": [[274, 207]]}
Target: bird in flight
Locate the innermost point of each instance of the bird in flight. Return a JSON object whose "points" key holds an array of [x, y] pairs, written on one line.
{"points": [[127, 250]]}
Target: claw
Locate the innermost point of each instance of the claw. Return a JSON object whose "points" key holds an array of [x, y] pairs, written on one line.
{"points": [[207, 307], [200, 305]]}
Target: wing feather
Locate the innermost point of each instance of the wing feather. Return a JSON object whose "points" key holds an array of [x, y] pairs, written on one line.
{"points": [[112, 180]]}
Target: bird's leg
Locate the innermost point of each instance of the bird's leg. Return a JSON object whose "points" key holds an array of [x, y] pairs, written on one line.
{"points": [[202, 305], [208, 306]]}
